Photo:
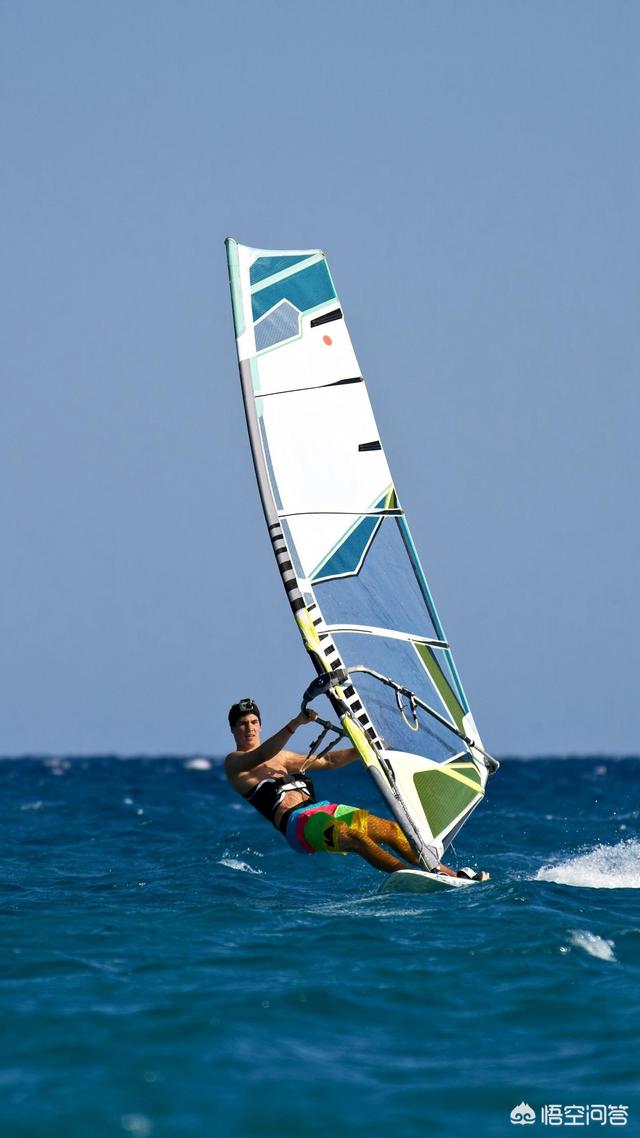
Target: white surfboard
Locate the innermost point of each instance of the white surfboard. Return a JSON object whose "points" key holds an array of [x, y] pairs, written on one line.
{"points": [[419, 881]]}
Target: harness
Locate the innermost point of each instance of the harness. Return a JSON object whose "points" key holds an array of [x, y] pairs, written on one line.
{"points": [[268, 795]]}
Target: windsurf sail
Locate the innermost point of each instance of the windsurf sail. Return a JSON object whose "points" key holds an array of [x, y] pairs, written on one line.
{"points": [[344, 549]]}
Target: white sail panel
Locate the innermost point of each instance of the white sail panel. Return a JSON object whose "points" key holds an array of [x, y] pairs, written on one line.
{"points": [[320, 355], [313, 432]]}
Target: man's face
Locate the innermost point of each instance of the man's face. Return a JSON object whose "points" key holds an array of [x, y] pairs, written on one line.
{"points": [[247, 732]]}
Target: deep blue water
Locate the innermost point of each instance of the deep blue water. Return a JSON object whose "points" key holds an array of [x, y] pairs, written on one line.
{"points": [[171, 968]]}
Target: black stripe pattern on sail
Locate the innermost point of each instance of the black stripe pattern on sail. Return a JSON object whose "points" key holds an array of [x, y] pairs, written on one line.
{"points": [[334, 661], [287, 573]]}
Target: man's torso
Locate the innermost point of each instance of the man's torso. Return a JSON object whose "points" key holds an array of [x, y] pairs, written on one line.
{"points": [[285, 766]]}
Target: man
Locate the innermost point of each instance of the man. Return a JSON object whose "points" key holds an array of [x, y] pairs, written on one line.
{"points": [[273, 779]]}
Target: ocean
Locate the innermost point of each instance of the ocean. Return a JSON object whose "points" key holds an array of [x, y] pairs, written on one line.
{"points": [[170, 968]]}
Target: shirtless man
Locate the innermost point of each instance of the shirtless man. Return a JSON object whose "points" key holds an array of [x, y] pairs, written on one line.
{"points": [[272, 779]]}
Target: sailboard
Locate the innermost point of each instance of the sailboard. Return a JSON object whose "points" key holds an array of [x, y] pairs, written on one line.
{"points": [[417, 881], [343, 546]]}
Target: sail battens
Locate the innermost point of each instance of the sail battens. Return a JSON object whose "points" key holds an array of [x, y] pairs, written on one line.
{"points": [[327, 318], [393, 513], [316, 387], [392, 633], [344, 548]]}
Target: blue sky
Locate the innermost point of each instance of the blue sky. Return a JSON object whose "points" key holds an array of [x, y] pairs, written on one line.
{"points": [[472, 172]]}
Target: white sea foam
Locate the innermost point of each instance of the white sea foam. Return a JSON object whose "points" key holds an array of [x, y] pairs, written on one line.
{"points": [[137, 1124], [57, 766], [197, 765], [604, 867], [235, 863], [593, 944]]}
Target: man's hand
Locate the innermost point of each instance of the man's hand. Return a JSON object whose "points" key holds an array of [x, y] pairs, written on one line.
{"points": [[302, 718]]}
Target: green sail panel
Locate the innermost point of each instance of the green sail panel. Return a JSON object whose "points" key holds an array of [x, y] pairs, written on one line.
{"points": [[443, 798], [442, 686]]}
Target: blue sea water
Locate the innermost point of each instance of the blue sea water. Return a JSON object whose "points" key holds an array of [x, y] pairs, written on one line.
{"points": [[171, 969]]}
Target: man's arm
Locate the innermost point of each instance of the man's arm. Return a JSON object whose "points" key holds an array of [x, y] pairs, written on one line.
{"points": [[238, 762], [334, 759]]}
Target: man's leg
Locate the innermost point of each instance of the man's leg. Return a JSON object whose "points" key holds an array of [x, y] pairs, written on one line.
{"points": [[382, 830], [365, 839], [349, 840]]}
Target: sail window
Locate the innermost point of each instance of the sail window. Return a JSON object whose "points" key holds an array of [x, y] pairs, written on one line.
{"points": [[282, 323]]}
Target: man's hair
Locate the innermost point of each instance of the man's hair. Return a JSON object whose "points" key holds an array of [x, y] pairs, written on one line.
{"points": [[243, 707]]}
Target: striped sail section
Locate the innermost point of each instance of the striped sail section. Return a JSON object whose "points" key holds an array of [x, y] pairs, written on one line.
{"points": [[343, 545]]}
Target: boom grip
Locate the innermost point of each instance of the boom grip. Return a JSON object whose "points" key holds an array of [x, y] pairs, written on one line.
{"points": [[322, 684]]}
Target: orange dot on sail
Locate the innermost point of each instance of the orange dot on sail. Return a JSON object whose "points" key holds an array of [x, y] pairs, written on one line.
{"points": [[327, 339]]}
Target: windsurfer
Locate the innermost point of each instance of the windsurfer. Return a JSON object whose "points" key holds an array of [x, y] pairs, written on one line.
{"points": [[273, 779]]}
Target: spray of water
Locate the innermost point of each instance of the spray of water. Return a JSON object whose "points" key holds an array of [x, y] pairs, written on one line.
{"points": [[604, 867], [593, 944]]}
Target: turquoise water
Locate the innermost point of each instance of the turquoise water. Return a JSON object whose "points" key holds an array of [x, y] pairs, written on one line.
{"points": [[171, 968]]}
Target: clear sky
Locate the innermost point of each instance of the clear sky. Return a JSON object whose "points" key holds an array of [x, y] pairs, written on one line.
{"points": [[471, 170]]}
